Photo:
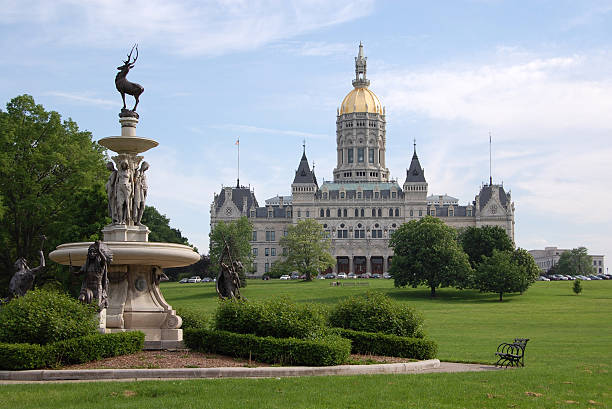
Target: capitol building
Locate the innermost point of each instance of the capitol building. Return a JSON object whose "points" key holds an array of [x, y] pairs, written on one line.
{"points": [[361, 207]]}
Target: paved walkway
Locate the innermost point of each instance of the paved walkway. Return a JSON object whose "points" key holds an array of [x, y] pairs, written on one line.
{"points": [[95, 375]]}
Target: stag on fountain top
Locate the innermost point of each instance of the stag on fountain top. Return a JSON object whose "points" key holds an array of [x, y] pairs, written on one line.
{"points": [[126, 87]]}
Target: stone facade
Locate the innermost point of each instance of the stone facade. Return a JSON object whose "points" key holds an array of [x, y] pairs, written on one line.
{"points": [[549, 257], [362, 207]]}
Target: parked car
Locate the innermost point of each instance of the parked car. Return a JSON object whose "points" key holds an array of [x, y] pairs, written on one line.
{"points": [[352, 275], [365, 275], [386, 275], [295, 275], [194, 279], [321, 276], [542, 278], [206, 280], [330, 276], [184, 280], [342, 275], [376, 275], [285, 277]]}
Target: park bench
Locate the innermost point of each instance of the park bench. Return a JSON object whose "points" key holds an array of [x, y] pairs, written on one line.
{"points": [[511, 354]]}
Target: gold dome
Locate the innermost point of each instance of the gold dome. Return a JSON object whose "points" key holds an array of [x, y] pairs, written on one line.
{"points": [[361, 99]]}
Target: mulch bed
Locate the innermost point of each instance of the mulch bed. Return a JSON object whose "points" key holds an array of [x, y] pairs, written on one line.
{"points": [[191, 359]]}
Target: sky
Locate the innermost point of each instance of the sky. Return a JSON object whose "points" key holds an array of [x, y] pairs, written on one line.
{"points": [[535, 74]]}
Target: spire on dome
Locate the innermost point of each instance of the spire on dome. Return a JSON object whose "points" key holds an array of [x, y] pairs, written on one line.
{"points": [[303, 174], [360, 80]]}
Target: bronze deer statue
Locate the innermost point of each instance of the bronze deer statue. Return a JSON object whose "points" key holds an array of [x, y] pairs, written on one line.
{"points": [[123, 85]]}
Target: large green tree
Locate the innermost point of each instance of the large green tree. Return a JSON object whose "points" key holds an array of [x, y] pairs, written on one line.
{"points": [[237, 235], [481, 241], [308, 248], [161, 231], [575, 261], [426, 252], [506, 272], [50, 173]]}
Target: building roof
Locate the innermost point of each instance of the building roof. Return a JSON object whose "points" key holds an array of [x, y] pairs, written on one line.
{"points": [[275, 201], [303, 174], [239, 194], [360, 185], [486, 192], [446, 199], [415, 173], [361, 100]]}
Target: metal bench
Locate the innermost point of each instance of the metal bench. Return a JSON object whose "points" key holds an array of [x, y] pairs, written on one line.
{"points": [[511, 354]]}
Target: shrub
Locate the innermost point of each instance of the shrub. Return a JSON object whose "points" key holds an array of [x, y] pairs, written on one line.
{"points": [[375, 312], [279, 318], [369, 343], [577, 286], [70, 351], [43, 316], [322, 351], [192, 318]]}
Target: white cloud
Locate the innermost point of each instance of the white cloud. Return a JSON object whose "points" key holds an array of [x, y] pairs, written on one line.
{"points": [[188, 27], [83, 98], [259, 130]]}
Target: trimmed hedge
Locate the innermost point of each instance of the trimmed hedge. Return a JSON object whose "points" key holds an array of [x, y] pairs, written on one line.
{"points": [[280, 318], [369, 343], [324, 351], [192, 318], [42, 317], [70, 351], [376, 312]]}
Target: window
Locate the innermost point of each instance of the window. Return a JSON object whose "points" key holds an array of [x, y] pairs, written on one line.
{"points": [[360, 234], [393, 195], [379, 212], [360, 154], [252, 213], [299, 213], [285, 232], [267, 267], [267, 252], [356, 212], [432, 211], [390, 212], [344, 213], [391, 231], [269, 214], [327, 213], [273, 251], [377, 234], [371, 155], [469, 212], [325, 195], [289, 213], [358, 195], [362, 213], [343, 234], [339, 213], [376, 194], [373, 212], [254, 251], [254, 236], [322, 213], [254, 267], [341, 195], [270, 235], [396, 212], [307, 213], [420, 213], [451, 212], [411, 212], [350, 155]]}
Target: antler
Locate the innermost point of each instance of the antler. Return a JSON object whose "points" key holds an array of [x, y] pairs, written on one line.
{"points": [[135, 45], [130, 54]]}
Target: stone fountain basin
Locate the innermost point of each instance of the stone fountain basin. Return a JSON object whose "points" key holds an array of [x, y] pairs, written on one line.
{"points": [[128, 144], [164, 255]]}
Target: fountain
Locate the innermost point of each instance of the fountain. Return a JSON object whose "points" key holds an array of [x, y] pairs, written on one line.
{"points": [[134, 300]]}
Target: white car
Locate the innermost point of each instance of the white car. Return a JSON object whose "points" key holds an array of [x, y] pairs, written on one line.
{"points": [[342, 275], [285, 277], [194, 279]]}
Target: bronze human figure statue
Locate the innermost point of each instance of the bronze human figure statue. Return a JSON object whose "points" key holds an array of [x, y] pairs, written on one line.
{"points": [[24, 276], [140, 192], [228, 282], [95, 283], [111, 191], [123, 85]]}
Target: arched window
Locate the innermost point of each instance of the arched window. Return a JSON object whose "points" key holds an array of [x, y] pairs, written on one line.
{"points": [[373, 212], [345, 213], [327, 213], [322, 213], [390, 212], [362, 213], [379, 212], [396, 212], [339, 213], [356, 212]]}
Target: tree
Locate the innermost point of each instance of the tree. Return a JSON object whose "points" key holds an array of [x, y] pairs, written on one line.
{"points": [[575, 261], [481, 241], [160, 228], [308, 248], [506, 272], [426, 252], [237, 234], [47, 168], [577, 286]]}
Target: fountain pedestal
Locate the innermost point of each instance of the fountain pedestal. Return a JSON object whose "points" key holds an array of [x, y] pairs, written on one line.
{"points": [[135, 301]]}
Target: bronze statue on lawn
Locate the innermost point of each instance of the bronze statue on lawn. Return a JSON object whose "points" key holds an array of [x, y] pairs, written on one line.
{"points": [[24, 276], [126, 87], [228, 281]]}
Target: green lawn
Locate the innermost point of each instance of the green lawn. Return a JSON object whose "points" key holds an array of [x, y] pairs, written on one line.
{"points": [[568, 358]]}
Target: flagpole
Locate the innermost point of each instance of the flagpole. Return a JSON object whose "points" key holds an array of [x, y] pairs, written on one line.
{"points": [[238, 180]]}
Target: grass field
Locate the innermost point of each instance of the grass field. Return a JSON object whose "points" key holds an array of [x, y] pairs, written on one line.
{"points": [[568, 359]]}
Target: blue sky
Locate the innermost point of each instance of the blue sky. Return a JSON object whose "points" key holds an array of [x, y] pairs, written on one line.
{"points": [[536, 74]]}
